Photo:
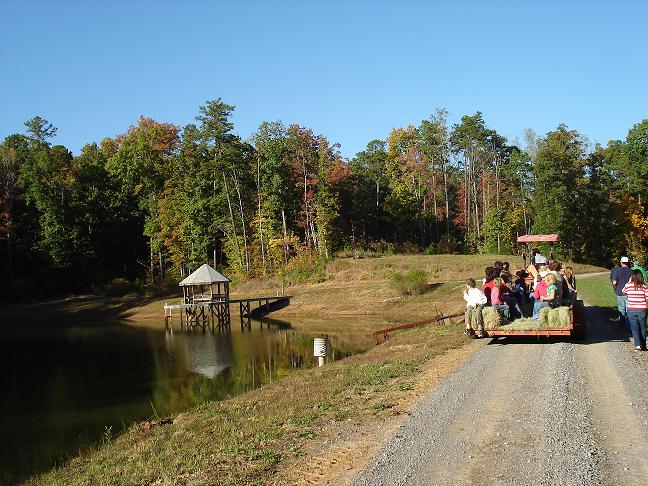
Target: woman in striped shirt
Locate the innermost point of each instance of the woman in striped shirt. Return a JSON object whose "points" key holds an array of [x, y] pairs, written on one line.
{"points": [[637, 292]]}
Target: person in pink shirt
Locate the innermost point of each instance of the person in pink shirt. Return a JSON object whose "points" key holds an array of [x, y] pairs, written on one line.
{"points": [[491, 274], [637, 292], [540, 289]]}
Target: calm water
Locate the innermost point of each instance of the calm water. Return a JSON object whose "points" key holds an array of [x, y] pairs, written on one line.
{"points": [[64, 389]]}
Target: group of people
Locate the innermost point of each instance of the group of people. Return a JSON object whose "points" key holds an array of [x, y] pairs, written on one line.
{"points": [[631, 289], [544, 283]]}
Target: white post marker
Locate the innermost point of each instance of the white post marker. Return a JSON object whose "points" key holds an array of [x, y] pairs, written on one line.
{"points": [[320, 347]]}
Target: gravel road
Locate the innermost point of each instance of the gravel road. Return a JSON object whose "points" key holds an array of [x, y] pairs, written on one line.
{"points": [[529, 411]]}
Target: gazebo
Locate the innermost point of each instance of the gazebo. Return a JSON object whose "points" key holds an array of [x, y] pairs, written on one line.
{"points": [[199, 286], [205, 297]]}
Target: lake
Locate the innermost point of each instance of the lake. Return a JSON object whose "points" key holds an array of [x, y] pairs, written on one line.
{"points": [[70, 388]]}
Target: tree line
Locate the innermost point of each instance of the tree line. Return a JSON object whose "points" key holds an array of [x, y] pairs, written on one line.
{"points": [[158, 200]]}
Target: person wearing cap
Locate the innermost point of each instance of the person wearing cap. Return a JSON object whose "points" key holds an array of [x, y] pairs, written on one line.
{"points": [[541, 259], [619, 276]]}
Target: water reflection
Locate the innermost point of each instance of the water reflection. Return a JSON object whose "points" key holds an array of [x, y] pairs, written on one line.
{"points": [[61, 390]]}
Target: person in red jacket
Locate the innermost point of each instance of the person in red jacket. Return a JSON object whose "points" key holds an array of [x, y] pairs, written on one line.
{"points": [[487, 288]]}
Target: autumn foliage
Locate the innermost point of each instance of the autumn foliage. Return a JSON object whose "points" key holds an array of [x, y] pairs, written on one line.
{"points": [[158, 200]]}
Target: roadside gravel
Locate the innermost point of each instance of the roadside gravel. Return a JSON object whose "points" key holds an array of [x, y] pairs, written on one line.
{"points": [[529, 411]]}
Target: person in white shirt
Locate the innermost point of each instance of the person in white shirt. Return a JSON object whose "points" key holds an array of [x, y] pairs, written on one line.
{"points": [[475, 302]]}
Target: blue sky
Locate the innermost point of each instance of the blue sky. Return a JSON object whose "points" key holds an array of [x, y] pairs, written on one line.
{"points": [[349, 70]]}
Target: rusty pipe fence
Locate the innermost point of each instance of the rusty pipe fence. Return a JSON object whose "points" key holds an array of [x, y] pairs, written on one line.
{"points": [[440, 317]]}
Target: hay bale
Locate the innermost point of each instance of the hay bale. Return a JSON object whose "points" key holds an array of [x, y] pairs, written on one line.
{"points": [[544, 316], [549, 318], [559, 317], [492, 318], [523, 324]]}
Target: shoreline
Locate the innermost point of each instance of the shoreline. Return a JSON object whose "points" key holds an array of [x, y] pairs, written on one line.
{"points": [[265, 435], [252, 435]]}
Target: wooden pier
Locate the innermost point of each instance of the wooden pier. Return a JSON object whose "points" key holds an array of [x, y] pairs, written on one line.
{"points": [[206, 303], [206, 315], [265, 305], [215, 314]]}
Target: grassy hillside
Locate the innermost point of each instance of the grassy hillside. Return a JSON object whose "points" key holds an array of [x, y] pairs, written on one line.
{"points": [[355, 296], [361, 287]]}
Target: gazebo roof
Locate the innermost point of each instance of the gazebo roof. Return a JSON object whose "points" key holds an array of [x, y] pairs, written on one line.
{"points": [[205, 275]]}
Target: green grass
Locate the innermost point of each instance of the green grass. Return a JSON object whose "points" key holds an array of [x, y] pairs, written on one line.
{"points": [[597, 291]]}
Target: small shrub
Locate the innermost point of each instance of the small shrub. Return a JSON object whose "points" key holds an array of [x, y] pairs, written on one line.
{"points": [[436, 270], [320, 274], [397, 280], [409, 248], [350, 253], [304, 268], [382, 248], [359, 253], [118, 287], [447, 245], [414, 282], [107, 435]]}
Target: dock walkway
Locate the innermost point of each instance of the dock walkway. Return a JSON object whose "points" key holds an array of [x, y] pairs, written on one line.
{"points": [[214, 313]]}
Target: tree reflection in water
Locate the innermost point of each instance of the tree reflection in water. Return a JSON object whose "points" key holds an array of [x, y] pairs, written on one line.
{"points": [[62, 388]]}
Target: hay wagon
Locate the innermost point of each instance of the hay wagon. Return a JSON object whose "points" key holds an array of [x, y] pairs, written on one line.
{"points": [[561, 321]]}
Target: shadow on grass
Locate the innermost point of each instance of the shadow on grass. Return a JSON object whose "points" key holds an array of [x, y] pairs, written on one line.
{"points": [[268, 322], [81, 311], [432, 287]]}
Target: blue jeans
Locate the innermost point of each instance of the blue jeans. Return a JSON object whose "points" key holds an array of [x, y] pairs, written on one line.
{"points": [[622, 301], [537, 305], [503, 309], [514, 307], [637, 320]]}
